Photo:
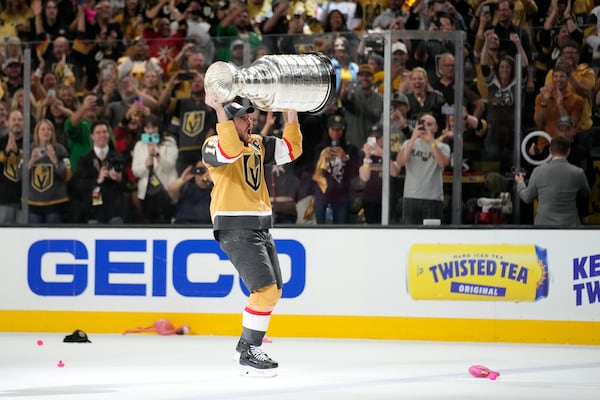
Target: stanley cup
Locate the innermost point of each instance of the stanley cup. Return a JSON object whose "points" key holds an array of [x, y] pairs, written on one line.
{"points": [[301, 82]]}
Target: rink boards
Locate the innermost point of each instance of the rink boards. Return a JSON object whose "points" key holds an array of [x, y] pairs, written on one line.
{"points": [[505, 285]]}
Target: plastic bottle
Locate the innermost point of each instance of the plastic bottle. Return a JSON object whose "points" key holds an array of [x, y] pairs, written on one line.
{"points": [[329, 214]]}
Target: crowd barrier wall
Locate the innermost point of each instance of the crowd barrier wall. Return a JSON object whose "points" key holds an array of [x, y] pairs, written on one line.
{"points": [[488, 285]]}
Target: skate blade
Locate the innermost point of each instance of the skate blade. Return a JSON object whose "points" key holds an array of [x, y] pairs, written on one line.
{"points": [[258, 373]]}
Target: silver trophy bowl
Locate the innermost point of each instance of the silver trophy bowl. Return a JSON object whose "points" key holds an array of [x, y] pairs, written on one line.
{"points": [[301, 82]]}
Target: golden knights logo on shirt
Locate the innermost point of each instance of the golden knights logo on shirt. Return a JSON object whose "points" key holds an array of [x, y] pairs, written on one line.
{"points": [[11, 167], [253, 170], [193, 122], [43, 177]]}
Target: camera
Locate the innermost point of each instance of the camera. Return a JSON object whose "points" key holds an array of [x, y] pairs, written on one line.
{"points": [[99, 100], [371, 140], [353, 85], [374, 41], [421, 124], [114, 162], [42, 151]]}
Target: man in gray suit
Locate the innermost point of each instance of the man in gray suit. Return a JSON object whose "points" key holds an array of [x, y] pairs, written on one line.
{"points": [[558, 185]]}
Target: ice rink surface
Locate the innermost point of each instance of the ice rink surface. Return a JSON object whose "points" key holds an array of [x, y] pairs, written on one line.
{"points": [[151, 367]]}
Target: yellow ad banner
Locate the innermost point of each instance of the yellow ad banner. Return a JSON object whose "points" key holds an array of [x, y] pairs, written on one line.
{"points": [[481, 272]]}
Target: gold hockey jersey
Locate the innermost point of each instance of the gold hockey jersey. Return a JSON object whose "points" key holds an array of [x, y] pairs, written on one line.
{"points": [[240, 197]]}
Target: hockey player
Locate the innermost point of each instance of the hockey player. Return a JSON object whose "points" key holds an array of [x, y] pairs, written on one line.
{"points": [[241, 215]]}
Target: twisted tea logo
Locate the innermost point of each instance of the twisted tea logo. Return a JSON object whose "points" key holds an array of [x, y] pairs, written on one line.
{"points": [[253, 170], [43, 177], [193, 123]]}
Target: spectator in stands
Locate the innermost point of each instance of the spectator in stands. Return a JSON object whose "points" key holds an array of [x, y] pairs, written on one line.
{"points": [[335, 23], [580, 150], [99, 179], [79, 128], [13, 49], [68, 66], [41, 86], [581, 81], [336, 167], [559, 27], [558, 186], [554, 101], [444, 81], [504, 27], [424, 159], [499, 85], [344, 63], [393, 17], [191, 194], [53, 109], [18, 103], [109, 86], [137, 60], [150, 89], [197, 26], [97, 39], [370, 173], [165, 45], [400, 125], [376, 61], [295, 42], [128, 93], [49, 170], [154, 160], [155, 9], [14, 19], [363, 106], [399, 71], [191, 122], [11, 157], [129, 17], [236, 25], [275, 25], [426, 52], [188, 63], [45, 25], [13, 70], [69, 98], [422, 98], [473, 131]]}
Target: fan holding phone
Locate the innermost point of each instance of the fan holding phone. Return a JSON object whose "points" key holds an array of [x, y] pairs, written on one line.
{"points": [[154, 159], [424, 159]]}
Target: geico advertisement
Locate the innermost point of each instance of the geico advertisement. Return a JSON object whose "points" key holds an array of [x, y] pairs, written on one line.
{"points": [[129, 271], [477, 272]]}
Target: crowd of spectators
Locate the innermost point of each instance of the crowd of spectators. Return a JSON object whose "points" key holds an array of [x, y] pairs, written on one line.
{"points": [[117, 111]]}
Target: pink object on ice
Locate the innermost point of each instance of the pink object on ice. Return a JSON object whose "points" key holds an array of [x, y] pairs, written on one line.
{"points": [[267, 340], [60, 364], [162, 327], [479, 371], [40, 342]]}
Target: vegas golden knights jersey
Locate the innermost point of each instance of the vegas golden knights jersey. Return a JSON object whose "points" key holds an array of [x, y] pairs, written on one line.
{"points": [[240, 197]]}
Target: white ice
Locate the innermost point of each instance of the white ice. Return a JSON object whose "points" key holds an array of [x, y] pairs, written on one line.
{"points": [[151, 367]]}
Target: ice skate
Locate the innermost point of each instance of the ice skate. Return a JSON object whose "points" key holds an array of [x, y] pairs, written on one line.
{"points": [[254, 361]]}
